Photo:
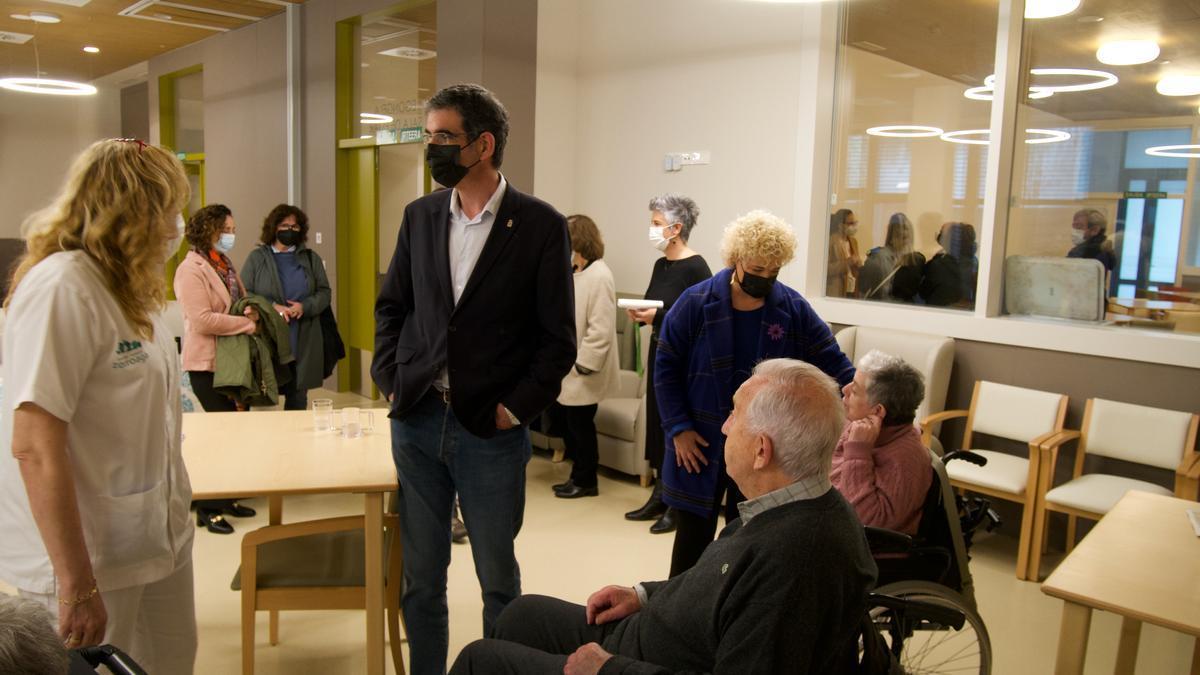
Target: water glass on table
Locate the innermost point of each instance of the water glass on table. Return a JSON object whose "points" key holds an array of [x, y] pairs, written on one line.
{"points": [[322, 414], [357, 422]]}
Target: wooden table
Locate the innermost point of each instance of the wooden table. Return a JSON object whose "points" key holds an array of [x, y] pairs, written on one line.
{"points": [[276, 453], [1142, 561], [1150, 307]]}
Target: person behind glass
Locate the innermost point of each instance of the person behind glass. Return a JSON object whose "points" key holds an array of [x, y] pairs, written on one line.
{"points": [[950, 275], [474, 333], [207, 285], [844, 258], [893, 271], [94, 492], [292, 276], [595, 371], [672, 218], [1088, 239], [711, 340]]}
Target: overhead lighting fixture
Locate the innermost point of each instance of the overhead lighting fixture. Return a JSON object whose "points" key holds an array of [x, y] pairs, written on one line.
{"points": [[1179, 85], [905, 131], [1045, 9], [374, 118], [1127, 52], [1102, 79], [44, 17], [986, 93], [35, 85], [966, 136], [410, 53], [1174, 151], [91, 50]]}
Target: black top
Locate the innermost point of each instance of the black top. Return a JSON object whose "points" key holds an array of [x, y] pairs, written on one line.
{"points": [[671, 278], [1093, 247]]}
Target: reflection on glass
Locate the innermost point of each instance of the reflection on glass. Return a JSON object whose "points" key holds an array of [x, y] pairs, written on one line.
{"points": [[397, 55], [910, 158]]}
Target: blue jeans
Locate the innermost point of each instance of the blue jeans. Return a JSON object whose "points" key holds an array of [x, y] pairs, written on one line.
{"points": [[435, 458]]}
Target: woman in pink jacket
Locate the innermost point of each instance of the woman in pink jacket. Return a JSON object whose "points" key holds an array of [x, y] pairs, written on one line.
{"points": [[207, 285]]}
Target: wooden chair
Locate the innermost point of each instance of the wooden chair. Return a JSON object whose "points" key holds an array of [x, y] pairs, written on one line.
{"points": [[1149, 436], [316, 564], [1015, 413]]}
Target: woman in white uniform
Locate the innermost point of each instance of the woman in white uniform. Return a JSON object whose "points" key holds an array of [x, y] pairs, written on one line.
{"points": [[94, 494]]}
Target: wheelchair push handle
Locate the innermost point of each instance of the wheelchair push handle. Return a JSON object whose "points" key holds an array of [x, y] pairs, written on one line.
{"points": [[113, 658]]}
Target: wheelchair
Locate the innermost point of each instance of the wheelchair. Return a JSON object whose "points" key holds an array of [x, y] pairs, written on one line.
{"points": [[922, 616]]}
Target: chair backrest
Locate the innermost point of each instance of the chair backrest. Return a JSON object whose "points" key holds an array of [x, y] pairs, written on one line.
{"points": [[1136, 433], [1015, 413], [932, 355]]}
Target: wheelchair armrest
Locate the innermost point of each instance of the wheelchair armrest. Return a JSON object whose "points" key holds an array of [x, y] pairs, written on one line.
{"points": [[881, 541], [966, 456]]}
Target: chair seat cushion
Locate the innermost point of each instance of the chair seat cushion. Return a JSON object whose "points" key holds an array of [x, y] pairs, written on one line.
{"points": [[617, 417], [1098, 493], [1003, 471], [327, 559]]}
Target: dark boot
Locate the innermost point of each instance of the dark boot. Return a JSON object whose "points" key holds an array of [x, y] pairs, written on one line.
{"points": [[652, 509], [665, 524]]}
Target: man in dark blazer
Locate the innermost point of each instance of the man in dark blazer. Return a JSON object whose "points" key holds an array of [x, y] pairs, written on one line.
{"points": [[474, 332]]}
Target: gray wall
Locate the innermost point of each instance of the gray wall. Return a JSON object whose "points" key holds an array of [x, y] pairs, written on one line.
{"points": [[135, 111]]}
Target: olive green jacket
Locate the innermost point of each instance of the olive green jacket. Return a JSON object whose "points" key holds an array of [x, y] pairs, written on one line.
{"points": [[250, 368]]}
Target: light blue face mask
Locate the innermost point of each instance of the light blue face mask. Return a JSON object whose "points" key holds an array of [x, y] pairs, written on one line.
{"points": [[225, 243]]}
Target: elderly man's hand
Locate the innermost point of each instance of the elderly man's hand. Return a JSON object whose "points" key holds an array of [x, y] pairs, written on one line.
{"points": [[687, 450], [865, 430], [612, 603], [587, 660]]}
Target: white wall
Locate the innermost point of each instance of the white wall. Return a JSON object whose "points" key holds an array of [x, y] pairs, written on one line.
{"points": [[668, 76], [39, 137]]}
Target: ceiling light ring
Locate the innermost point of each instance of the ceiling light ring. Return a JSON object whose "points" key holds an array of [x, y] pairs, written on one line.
{"points": [[374, 118], [1170, 151], [1103, 80], [961, 137], [905, 131], [37, 85]]}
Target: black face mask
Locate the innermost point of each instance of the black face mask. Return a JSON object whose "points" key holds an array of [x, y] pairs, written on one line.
{"points": [[756, 286], [443, 163], [288, 238]]}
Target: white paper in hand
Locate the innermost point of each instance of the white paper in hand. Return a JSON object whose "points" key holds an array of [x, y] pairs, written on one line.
{"points": [[634, 303]]}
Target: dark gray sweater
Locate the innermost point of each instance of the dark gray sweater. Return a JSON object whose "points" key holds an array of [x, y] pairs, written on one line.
{"points": [[784, 594]]}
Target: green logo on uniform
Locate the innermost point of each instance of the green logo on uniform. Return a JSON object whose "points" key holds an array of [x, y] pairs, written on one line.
{"points": [[127, 346]]}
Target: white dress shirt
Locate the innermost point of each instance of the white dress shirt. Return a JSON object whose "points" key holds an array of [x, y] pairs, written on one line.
{"points": [[467, 237]]}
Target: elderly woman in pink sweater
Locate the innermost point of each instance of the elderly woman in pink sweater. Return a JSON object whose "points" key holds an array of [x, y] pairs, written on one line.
{"points": [[879, 465]]}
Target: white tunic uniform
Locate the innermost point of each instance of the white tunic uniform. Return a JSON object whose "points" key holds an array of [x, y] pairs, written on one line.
{"points": [[69, 350]]}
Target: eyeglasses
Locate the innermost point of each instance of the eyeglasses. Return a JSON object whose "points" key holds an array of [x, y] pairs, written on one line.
{"points": [[284, 228], [141, 144], [440, 138]]}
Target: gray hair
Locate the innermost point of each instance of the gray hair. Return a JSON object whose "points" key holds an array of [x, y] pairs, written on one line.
{"points": [[799, 408], [28, 642], [1095, 218], [894, 384], [677, 209]]}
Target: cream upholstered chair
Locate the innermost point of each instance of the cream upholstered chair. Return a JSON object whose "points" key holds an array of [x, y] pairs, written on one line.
{"points": [[931, 355], [1014, 413], [316, 564], [621, 420], [1133, 433]]}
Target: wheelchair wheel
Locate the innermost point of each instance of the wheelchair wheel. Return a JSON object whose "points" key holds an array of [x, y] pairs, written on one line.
{"points": [[929, 648]]}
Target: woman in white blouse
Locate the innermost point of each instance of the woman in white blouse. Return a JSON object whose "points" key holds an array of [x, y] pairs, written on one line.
{"points": [[94, 494], [595, 371]]}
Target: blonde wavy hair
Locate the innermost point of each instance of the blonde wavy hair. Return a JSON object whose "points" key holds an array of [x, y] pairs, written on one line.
{"points": [[761, 236], [118, 205]]}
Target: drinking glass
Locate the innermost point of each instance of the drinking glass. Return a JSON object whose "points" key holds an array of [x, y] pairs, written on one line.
{"points": [[322, 414]]}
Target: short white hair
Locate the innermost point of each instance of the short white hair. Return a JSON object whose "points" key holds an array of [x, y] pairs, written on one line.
{"points": [[800, 409], [28, 641]]}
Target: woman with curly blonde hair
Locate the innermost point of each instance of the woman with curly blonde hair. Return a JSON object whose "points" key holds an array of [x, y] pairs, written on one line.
{"points": [[94, 495], [710, 342]]}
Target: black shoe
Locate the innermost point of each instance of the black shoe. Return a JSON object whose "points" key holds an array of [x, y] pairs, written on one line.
{"points": [[213, 521], [664, 524], [237, 510], [559, 487], [652, 509], [575, 491]]}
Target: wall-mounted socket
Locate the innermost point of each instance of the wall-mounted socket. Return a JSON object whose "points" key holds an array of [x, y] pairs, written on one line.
{"points": [[318, 237]]}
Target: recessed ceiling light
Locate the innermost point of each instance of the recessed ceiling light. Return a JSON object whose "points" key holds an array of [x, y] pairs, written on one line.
{"points": [[21, 17], [905, 131], [1127, 52], [35, 85], [45, 17], [1179, 85], [411, 53], [1044, 9], [91, 50], [374, 118], [1090, 18], [1174, 151]]}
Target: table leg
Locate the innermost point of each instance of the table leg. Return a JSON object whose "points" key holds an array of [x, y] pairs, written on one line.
{"points": [[1127, 648], [1196, 658], [274, 517], [374, 571], [1073, 639]]}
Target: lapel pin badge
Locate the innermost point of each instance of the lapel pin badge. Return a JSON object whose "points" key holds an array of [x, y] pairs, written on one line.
{"points": [[509, 224]]}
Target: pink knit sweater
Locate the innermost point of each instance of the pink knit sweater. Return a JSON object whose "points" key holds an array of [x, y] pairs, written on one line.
{"points": [[885, 484]]}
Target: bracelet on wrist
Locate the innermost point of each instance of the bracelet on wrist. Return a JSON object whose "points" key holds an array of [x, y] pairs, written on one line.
{"points": [[80, 599]]}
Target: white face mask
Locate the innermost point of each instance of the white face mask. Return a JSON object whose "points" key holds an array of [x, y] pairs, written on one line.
{"points": [[174, 242], [1078, 236], [851, 230], [225, 243], [657, 239]]}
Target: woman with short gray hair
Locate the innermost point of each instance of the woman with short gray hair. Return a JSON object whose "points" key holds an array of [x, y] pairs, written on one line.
{"points": [[880, 465], [672, 218]]}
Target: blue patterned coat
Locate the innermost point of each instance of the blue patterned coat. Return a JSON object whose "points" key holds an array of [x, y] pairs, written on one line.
{"points": [[694, 372]]}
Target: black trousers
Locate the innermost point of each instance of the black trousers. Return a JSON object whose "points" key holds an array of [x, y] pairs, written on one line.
{"points": [[579, 435], [694, 533], [294, 398], [534, 634]]}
